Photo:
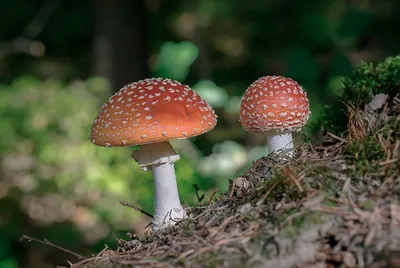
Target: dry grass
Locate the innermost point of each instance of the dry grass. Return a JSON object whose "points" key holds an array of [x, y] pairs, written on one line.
{"points": [[336, 204]]}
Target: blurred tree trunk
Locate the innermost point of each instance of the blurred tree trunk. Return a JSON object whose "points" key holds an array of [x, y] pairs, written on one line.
{"points": [[120, 41]]}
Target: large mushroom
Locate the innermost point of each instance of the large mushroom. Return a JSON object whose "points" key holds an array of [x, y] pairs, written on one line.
{"points": [[150, 113], [275, 106]]}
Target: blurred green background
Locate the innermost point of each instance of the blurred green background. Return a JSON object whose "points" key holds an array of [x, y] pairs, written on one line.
{"points": [[60, 60]]}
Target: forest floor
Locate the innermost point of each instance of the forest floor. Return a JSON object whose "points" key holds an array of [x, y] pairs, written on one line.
{"points": [[336, 204]]}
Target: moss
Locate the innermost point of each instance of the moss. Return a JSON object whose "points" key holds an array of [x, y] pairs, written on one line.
{"points": [[319, 171], [289, 231], [329, 203], [281, 219], [332, 117], [368, 205], [323, 179], [369, 79], [313, 218], [299, 222], [391, 128], [188, 227], [283, 187], [364, 154]]}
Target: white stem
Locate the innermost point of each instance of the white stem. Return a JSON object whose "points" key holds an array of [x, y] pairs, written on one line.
{"points": [[167, 205], [278, 141], [160, 158]]}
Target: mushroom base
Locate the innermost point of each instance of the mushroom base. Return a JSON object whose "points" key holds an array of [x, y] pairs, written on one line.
{"points": [[167, 206], [279, 142]]}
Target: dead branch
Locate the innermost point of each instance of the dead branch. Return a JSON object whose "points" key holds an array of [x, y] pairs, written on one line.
{"points": [[48, 243], [127, 204]]}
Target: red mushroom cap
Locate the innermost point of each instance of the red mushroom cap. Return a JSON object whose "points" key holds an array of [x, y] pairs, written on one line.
{"points": [[274, 103], [149, 111]]}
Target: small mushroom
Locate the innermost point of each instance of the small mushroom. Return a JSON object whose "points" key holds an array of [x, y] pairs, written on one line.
{"points": [[276, 106], [150, 113]]}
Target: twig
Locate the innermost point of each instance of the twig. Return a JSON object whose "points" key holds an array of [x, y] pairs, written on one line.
{"points": [[388, 162], [291, 176], [209, 209], [270, 190], [336, 137], [185, 254], [104, 250], [127, 204], [48, 243], [212, 196], [196, 188]]}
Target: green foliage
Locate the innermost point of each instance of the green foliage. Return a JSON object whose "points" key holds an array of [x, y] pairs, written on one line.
{"points": [[369, 79], [5, 250], [302, 66], [340, 66], [354, 23], [8, 263], [216, 96], [318, 29], [175, 59]]}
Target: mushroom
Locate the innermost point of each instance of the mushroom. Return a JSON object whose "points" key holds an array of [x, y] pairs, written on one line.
{"points": [[150, 113], [277, 106]]}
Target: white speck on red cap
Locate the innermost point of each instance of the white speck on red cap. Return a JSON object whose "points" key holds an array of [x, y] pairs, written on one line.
{"points": [[149, 111], [283, 105]]}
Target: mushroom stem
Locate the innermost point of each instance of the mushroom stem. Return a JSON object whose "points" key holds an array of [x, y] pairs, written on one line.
{"points": [[279, 141], [160, 158], [167, 205]]}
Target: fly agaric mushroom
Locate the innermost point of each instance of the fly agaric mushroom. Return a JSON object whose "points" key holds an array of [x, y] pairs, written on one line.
{"points": [[275, 105], [150, 113]]}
